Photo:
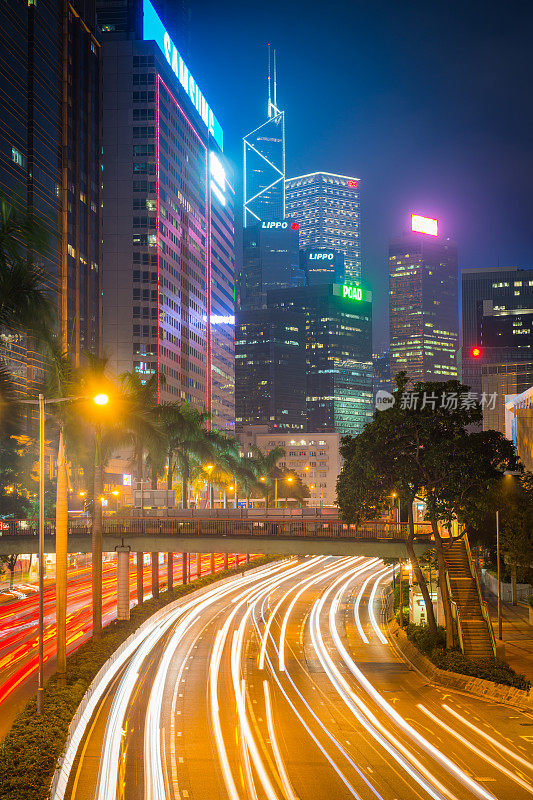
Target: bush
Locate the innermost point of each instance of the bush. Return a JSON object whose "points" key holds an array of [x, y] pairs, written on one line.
{"points": [[29, 752], [489, 669]]}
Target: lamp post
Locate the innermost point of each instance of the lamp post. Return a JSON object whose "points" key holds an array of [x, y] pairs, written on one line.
{"points": [[510, 473], [61, 549], [209, 469], [313, 485]]}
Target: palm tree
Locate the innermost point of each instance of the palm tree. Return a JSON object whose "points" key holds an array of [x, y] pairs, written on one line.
{"points": [[268, 467], [145, 396], [25, 303], [186, 440]]}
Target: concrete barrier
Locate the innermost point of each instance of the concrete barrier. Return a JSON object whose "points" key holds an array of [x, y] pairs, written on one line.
{"points": [[488, 690]]}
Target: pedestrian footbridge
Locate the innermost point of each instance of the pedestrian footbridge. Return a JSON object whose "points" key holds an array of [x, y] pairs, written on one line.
{"points": [[272, 531]]}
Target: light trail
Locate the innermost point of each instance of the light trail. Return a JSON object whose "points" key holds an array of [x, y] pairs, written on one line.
{"points": [[285, 781], [516, 778], [494, 742], [449, 765], [357, 603], [331, 571]]}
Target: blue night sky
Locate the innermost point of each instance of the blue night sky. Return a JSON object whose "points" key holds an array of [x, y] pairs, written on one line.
{"points": [[428, 103]]}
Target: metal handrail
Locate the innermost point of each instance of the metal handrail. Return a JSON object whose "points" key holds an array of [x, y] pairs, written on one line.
{"points": [[457, 614], [482, 601]]}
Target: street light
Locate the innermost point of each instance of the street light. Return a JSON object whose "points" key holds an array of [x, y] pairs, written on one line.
{"points": [[61, 547], [507, 473], [209, 469]]}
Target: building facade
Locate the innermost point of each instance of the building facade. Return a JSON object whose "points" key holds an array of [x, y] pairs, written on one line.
{"points": [[327, 208], [381, 372], [271, 260], [321, 265], [313, 456], [338, 325], [270, 371], [497, 318], [423, 306], [50, 146], [264, 164], [168, 226]]}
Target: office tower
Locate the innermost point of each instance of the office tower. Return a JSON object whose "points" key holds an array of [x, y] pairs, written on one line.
{"points": [[327, 208], [423, 303], [270, 371], [50, 144], [381, 371], [497, 317], [264, 163], [338, 321], [321, 265], [168, 225], [271, 260]]}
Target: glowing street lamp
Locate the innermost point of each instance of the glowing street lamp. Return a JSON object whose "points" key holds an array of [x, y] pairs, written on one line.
{"points": [[101, 399]]}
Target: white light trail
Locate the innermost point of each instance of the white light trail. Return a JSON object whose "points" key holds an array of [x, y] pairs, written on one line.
{"points": [[477, 751], [287, 785]]}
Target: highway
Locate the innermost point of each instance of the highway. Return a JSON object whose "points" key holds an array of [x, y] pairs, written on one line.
{"points": [[19, 610], [282, 684]]}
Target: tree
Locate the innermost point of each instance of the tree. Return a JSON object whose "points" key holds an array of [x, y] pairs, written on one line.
{"points": [[25, 303], [267, 467], [374, 465], [514, 500], [148, 438]]}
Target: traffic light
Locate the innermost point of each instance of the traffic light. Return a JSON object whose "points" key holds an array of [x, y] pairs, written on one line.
{"points": [[476, 352]]}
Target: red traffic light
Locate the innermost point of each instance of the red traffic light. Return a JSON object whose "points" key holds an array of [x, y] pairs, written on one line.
{"points": [[475, 352]]}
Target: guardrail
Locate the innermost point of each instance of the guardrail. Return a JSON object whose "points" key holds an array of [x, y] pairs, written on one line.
{"points": [[260, 527], [482, 601]]}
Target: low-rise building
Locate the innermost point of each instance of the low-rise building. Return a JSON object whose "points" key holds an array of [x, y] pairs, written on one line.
{"points": [[313, 456]]}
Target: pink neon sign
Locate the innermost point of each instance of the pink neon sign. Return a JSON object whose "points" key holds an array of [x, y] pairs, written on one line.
{"points": [[424, 225]]}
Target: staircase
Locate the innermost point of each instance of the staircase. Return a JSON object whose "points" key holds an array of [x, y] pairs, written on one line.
{"points": [[473, 621]]}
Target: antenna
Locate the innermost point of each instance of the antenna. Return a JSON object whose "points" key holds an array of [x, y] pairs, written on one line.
{"points": [[275, 85], [269, 100]]}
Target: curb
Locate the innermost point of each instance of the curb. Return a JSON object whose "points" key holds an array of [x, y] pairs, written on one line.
{"points": [[487, 690]]}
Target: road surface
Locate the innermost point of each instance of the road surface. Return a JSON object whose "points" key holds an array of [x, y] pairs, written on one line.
{"points": [[282, 684], [19, 618]]}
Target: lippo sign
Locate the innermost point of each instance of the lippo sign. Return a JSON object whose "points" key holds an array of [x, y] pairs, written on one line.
{"points": [[348, 292]]}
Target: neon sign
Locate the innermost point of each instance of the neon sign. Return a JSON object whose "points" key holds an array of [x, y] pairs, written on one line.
{"points": [[153, 29], [218, 178], [352, 184], [321, 256], [352, 292], [424, 225]]}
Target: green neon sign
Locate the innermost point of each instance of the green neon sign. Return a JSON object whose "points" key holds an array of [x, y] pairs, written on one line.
{"points": [[352, 292]]}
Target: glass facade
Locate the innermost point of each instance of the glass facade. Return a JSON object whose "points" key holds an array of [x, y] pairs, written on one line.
{"points": [[271, 260], [264, 171], [497, 318], [50, 158], [423, 307], [270, 369], [338, 355], [168, 232], [328, 210]]}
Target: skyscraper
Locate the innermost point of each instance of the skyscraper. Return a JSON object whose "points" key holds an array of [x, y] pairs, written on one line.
{"points": [[270, 369], [497, 316], [50, 145], [264, 163], [168, 228], [328, 210], [271, 260], [423, 303], [338, 325]]}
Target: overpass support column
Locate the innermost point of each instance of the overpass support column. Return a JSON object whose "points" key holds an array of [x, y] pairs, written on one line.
{"points": [[247, 558], [155, 575], [170, 571], [198, 565], [225, 560], [123, 583], [140, 579], [212, 563], [184, 560]]}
